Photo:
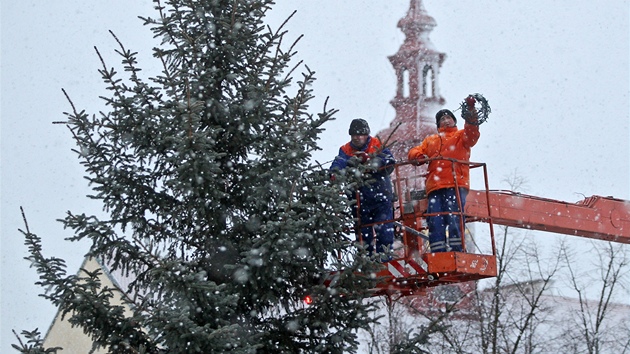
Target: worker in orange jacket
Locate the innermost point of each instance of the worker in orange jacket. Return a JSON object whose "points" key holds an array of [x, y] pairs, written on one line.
{"points": [[440, 184]]}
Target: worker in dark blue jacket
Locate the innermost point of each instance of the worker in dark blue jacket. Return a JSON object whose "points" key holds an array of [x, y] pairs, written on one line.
{"points": [[375, 195]]}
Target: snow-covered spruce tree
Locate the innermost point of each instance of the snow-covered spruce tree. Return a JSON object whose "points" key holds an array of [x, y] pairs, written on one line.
{"points": [[214, 207]]}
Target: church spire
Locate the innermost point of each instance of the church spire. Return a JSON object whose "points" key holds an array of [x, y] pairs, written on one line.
{"points": [[417, 20], [417, 64]]}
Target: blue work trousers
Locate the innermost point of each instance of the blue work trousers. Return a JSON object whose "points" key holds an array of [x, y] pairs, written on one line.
{"points": [[445, 232], [375, 213]]}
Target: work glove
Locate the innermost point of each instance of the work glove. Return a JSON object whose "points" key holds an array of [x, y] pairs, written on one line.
{"points": [[362, 156], [470, 101], [420, 160]]}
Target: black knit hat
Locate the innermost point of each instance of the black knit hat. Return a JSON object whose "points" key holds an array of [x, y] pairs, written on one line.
{"points": [[441, 113], [359, 127]]}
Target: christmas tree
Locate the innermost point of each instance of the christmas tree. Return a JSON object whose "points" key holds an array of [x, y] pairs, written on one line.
{"points": [[216, 212]]}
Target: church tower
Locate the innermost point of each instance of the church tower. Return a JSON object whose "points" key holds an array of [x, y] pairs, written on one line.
{"points": [[417, 99], [417, 64]]}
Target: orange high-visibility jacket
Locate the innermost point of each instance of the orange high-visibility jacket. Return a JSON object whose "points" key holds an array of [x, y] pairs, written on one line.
{"points": [[449, 142]]}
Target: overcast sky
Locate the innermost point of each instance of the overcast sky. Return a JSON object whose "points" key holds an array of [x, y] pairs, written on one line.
{"points": [[556, 74]]}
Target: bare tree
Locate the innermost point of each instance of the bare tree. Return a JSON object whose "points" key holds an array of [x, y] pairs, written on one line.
{"points": [[404, 329], [392, 329], [599, 325]]}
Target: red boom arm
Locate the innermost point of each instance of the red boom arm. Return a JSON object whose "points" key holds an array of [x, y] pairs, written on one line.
{"points": [[603, 218]]}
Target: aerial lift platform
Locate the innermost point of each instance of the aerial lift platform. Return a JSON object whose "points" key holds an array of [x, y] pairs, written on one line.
{"points": [[415, 268]]}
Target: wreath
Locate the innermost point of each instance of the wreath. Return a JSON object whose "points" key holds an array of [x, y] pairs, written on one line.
{"points": [[482, 112]]}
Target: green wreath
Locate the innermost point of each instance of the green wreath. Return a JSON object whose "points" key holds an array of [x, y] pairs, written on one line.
{"points": [[482, 112]]}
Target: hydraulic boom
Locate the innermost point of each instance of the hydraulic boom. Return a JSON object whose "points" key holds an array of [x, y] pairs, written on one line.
{"points": [[603, 218]]}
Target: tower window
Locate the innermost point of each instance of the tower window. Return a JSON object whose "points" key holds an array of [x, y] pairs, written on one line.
{"points": [[405, 83], [428, 77]]}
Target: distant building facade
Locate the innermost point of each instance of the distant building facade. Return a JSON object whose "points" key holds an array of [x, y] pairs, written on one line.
{"points": [[72, 339]]}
